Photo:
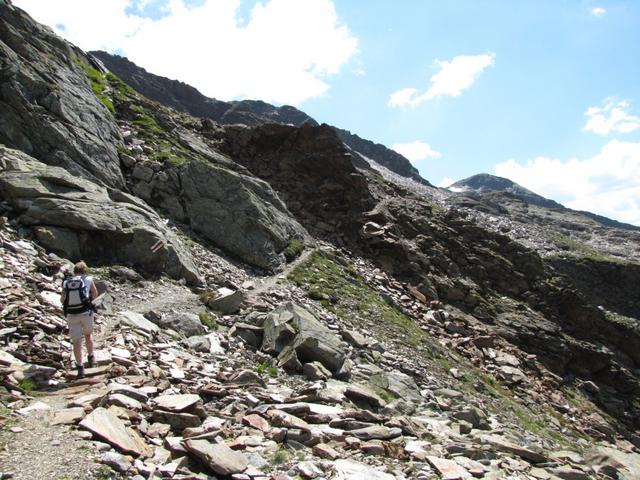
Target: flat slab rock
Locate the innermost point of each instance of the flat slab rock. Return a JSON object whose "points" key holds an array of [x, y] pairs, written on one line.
{"points": [[176, 403], [136, 320], [68, 416], [111, 429], [349, 470], [448, 469], [219, 458], [378, 432], [505, 446]]}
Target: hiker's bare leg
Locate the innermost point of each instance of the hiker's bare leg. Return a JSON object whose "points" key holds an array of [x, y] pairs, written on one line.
{"points": [[89, 340], [77, 350]]}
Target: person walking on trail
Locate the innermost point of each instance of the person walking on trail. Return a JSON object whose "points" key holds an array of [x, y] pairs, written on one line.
{"points": [[78, 293]]}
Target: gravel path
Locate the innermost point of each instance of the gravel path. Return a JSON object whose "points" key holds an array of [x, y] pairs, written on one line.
{"points": [[33, 449], [41, 451]]}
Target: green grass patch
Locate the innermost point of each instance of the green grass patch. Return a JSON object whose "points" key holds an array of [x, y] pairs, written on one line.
{"points": [[280, 457], [262, 368], [208, 319], [207, 296], [98, 82], [147, 125], [123, 149], [27, 385], [294, 249], [171, 158], [583, 250], [341, 290], [103, 472], [7, 420], [121, 89]]}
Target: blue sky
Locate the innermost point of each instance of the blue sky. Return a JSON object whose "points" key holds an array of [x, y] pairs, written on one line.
{"points": [[545, 92]]}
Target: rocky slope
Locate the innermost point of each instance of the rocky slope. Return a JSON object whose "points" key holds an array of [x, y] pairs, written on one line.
{"points": [[599, 255], [47, 108], [406, 336], [187, 99]]}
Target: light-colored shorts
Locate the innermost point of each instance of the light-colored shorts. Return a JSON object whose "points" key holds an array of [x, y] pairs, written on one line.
{"points": [[80, 324]]}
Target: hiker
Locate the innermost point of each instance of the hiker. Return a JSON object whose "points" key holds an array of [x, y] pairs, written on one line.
{"points": [[78, 293]]}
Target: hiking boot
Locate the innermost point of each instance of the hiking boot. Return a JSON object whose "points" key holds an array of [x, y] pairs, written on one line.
{"points": [[91, 361], [80, 371]]}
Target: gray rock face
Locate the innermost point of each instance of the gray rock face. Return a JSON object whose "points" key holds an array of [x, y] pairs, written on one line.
{"points": [[400, 384], [219, 458], [136, 320], [292, 328], [187, 324], [239, 213], [350, 470], [227, 301], [85, 220], [47, 107], [234, 210]]}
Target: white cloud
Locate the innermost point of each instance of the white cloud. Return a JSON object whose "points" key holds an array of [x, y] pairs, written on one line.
{"points": [[598, 11], [416, 151], [612, 117], [445, 182], [284, 52], [402, 97], [451, 80], [607, 183]]}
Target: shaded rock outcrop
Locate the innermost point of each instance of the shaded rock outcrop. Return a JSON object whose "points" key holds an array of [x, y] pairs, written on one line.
{"points": [[610, 284], [380, 154], [310, 169], [47, 107], [76, 218], [509, 287]]}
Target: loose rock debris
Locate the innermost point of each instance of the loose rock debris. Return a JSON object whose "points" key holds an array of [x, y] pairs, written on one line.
{"points": [[156, 408]]}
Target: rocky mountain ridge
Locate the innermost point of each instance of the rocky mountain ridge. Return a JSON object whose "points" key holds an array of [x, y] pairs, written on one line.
{"points": [[408, 336], [484, 183], [187, 99]]}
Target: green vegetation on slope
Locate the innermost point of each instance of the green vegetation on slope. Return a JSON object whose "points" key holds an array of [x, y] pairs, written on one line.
{"points": [[582, 249], [98, 83], [294, 249], [124, 102], [129, 105], [342, 291]]}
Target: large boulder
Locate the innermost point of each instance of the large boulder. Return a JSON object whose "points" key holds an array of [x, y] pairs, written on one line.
{"points": [[399, 384], [238, 212], [47, 107], [185, 323], [76, 218], [292, 329], [221, 201]]}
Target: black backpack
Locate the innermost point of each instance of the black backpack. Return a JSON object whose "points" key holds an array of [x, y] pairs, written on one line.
{"points": [[77, 297]]}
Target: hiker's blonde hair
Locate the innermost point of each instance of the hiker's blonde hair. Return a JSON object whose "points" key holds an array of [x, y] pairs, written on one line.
{"points": [[80, 268]]}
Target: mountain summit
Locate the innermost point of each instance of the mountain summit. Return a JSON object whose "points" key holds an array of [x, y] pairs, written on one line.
{"points": [[483, 182]]}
